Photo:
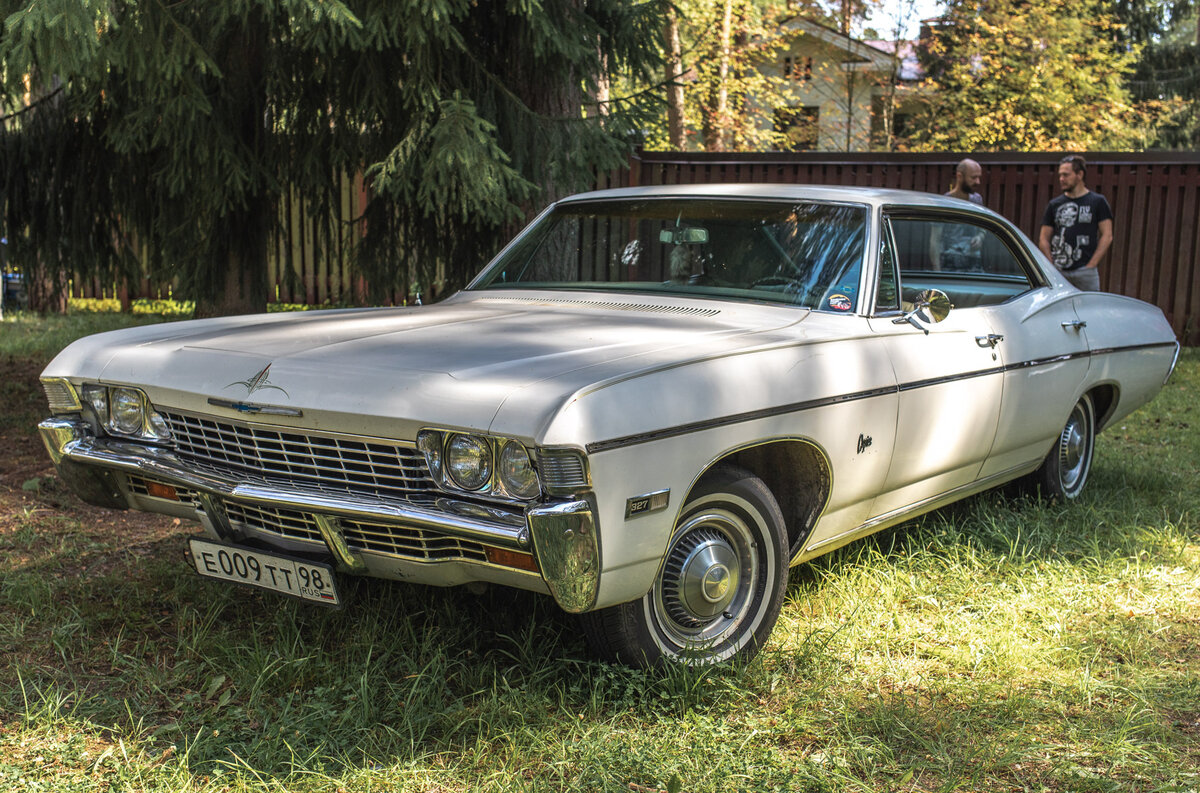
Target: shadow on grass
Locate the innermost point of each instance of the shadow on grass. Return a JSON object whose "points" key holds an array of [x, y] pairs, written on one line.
{"points": [[242, 679]]}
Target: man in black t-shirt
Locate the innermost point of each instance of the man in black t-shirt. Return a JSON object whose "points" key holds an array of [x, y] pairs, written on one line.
{"points": [[1077, 227]]}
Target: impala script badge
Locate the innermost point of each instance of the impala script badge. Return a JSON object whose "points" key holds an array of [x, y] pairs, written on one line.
{"points": [[259, 382]]}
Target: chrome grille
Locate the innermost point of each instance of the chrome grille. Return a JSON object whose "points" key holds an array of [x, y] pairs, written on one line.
{"points": [[410, 543], [399, 541], [285, 523], [356, 465]]}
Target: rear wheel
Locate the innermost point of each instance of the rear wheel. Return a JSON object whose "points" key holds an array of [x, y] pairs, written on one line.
{"points": [[721, 585], [1065, 469]]}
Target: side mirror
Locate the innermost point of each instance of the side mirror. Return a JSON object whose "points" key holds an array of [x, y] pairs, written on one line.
{"points": [[930, 306]]}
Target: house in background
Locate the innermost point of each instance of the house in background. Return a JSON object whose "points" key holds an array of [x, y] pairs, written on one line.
{"points": [[835, 92]]}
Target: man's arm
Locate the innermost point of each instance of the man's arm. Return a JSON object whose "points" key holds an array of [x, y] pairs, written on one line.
{"points": [[1044, 240], [935, 246], [1105, 242]]}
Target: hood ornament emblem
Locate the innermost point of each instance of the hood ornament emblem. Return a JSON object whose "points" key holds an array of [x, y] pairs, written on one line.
{"points": [[259, 382]]}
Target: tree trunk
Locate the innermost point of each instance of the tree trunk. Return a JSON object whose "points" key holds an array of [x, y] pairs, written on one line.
{"points": [[236, 282], [598, 106], [675, 113], [46, 292], [722, 109]]}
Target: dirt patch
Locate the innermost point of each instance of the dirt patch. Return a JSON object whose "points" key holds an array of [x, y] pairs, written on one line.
{"points": [[31, 496]]}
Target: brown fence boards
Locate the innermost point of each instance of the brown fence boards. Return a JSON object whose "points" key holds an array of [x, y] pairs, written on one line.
{"points": [[1155, 198]]}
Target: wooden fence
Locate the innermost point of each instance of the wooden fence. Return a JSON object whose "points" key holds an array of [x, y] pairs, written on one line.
{"points": [[310, 256], [1155, 199]]}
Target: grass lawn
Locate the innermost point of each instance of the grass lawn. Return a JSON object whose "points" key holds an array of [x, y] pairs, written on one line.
{"points": [[1002, 644]]}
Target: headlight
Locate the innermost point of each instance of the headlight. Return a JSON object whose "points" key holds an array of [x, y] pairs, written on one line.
{"points": [[469, 461], [122, 410], [430, 444], [158, 426], [479, 464], [516, 471], [127, 415], [96, 396]]}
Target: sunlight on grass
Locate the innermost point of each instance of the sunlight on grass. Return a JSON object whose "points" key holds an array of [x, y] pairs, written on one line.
{"points": [[999, 644]]}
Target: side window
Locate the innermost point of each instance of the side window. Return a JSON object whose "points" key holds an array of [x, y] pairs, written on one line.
{"points": [[968, 261], [887, 291]]}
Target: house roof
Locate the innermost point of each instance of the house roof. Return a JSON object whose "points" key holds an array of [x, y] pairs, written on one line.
{"points": [[860, 51]]}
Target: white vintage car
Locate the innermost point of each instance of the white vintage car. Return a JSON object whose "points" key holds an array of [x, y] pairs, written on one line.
{"points": [[649, 406]]}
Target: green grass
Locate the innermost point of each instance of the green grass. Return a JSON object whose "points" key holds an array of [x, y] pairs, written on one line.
{"points": [[1000, 644]]}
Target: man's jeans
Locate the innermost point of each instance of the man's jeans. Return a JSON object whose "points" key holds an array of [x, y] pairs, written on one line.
{"points": [[1085, 278]]}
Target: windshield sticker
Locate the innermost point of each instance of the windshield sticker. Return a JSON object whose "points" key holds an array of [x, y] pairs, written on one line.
{"points": [[840, 303]]}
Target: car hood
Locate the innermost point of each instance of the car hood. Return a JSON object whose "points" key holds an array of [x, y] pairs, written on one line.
{"points": [[452, 364]]}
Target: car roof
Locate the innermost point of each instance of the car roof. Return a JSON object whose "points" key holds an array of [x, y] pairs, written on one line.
{"points": [[875, 196]]}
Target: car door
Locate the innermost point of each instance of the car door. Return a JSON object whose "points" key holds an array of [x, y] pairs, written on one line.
{"points": [[1045, 350], [950, 374]]}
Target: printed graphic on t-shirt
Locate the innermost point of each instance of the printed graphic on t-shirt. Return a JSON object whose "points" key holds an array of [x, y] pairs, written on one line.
{"points": [[1068, 213], [1076, 228], [1062, 253]]}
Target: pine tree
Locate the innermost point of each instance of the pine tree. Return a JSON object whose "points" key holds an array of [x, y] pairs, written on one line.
{"points": [[181, 125], [1165, 35]]}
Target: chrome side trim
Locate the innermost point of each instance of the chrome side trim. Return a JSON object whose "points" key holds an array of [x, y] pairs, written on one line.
{"points": [[1174, 361], [795, 407], [737, 418], [68, 444], [910, 511], [567, 547]]}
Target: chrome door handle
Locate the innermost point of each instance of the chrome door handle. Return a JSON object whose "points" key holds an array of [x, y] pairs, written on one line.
{"points": [[1077, 324], [990, 340]]}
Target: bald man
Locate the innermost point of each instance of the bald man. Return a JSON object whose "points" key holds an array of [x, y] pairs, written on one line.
{"points": [[967, 178], [956, 246]]}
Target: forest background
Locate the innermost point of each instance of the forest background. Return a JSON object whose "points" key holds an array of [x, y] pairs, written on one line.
{"points": [[160, 141]]}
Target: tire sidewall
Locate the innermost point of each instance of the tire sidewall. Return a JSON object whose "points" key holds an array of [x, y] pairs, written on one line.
{"points": [[745, 495], [1052, 472]]}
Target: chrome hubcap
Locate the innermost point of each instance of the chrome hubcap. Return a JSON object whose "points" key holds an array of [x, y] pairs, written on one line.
{"points": [[1073, 449], [704, 591], [700, 578]]}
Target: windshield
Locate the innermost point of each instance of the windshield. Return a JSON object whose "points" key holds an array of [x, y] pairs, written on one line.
{"points": [[802, 253]]}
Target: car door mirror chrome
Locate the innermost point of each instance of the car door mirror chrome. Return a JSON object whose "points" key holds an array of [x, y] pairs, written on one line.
{"points": [[930, 306]]}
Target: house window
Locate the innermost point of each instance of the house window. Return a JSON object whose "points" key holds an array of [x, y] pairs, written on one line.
{"points": [[797, 69], [797, 127]]}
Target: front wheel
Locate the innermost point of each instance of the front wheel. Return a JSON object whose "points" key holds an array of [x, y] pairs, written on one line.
{"points": [[719, 590], [1065, 470]]}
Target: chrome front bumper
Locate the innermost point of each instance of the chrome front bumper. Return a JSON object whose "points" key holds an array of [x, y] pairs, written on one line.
{"points": [[562, 536]]}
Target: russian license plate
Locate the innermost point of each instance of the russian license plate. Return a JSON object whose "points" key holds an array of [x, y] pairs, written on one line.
{"points": [[296, 577]]}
